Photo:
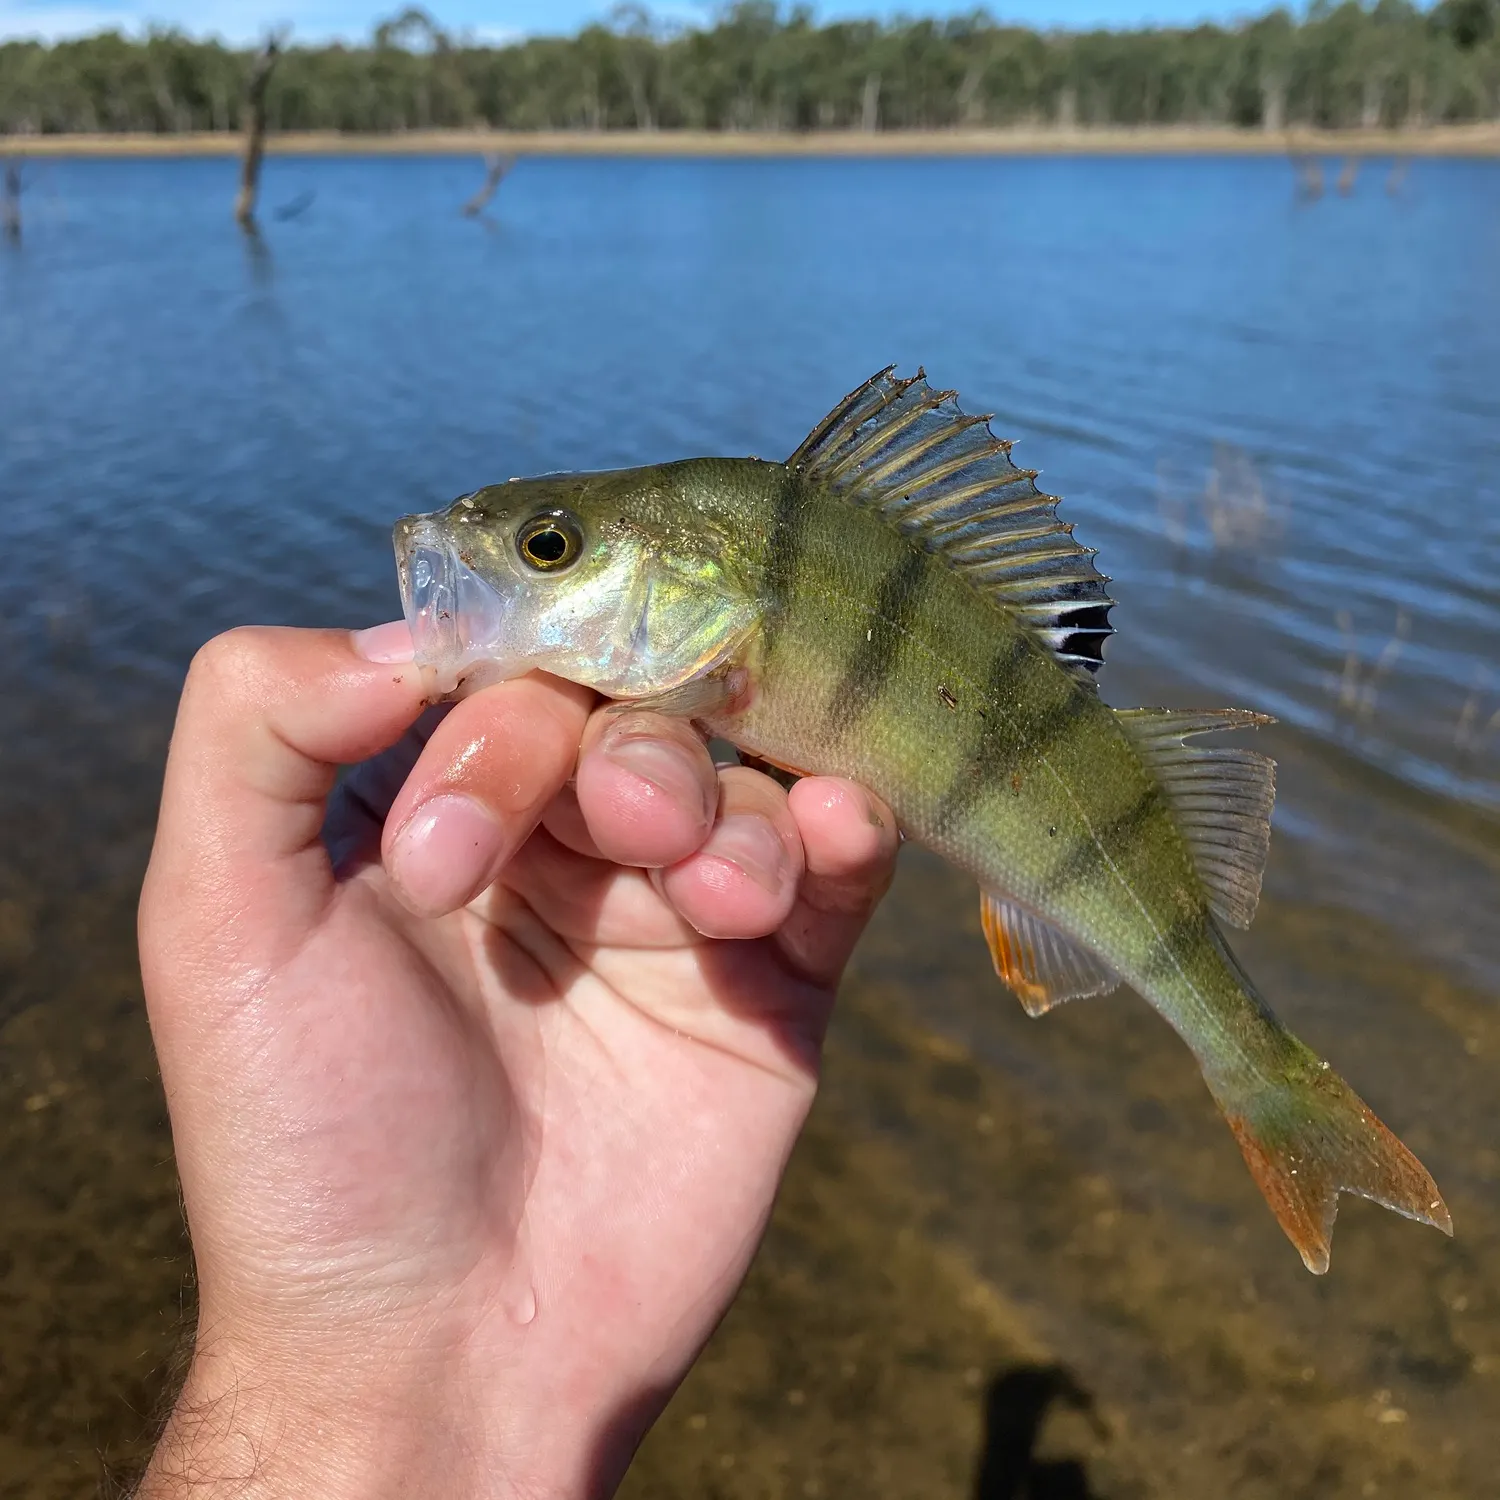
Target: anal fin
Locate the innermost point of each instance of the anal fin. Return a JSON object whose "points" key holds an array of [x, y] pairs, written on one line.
{"points": [[1040, 964]]}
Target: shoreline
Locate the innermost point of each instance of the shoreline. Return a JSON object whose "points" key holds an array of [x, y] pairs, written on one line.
{"points": [[1472, 141]]}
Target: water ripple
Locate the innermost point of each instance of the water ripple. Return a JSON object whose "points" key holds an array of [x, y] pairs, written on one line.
{"points": [[1279, 424]]}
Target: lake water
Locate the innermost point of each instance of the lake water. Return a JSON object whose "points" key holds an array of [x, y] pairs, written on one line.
{"points": [[1278, 421]]}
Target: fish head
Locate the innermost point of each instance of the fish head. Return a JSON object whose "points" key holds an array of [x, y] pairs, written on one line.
{"points": [[596, 578]]}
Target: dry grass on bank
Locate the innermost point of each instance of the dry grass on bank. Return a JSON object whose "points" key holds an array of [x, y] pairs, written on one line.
{"points": [[1454, 140]]}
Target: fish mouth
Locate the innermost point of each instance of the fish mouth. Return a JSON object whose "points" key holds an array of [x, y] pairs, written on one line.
{"points": [[456, 618]]}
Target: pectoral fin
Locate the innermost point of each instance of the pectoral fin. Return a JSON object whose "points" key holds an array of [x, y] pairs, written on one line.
{"points": [[709, 696]]}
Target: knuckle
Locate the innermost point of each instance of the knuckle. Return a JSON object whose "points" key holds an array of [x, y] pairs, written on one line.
{"points": [[835, 896], [232, 665]]}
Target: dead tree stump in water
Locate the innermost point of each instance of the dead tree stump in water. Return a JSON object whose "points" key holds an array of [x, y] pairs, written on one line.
{"points": [[255, 133], [10, 202]]}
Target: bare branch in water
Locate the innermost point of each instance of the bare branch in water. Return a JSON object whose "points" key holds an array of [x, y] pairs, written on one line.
{"points": [[496, 167], [296, 208], [255, 131]]}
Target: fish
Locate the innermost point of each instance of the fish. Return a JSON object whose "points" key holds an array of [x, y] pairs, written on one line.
{"points": [[898, 603]]}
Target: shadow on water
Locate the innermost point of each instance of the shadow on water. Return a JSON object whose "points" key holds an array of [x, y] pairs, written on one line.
{"points": [[1017, 1403]]}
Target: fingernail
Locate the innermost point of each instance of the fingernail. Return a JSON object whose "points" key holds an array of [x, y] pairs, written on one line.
{"points": [[445, 853], [386, 644], [664, 766], [749, 843]]}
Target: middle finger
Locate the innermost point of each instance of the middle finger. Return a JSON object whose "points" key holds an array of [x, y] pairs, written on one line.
{"points": [[646, 790], [743, 881]]}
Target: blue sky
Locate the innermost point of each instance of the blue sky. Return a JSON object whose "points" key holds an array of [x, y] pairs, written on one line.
{"points": [[317, 20]]}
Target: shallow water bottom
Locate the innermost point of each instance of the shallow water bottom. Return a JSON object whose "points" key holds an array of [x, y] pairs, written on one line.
{"points": [[1011, 1258]]}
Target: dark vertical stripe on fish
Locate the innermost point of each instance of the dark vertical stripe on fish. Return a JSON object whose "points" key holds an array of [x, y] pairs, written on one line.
{"points": [[1045, 733], [1177, 943], [1087, 856], [784, 547], [995, 745], [869, 668]]}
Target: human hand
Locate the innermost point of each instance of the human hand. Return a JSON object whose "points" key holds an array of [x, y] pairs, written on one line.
{"points": [[477, 1130]]}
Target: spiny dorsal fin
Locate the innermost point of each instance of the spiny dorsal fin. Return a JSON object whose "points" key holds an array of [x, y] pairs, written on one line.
{"points": [[1043, 967], [947, 483], [1221, 798]]}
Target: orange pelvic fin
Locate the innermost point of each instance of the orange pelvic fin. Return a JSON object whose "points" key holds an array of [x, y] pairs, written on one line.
{"points": [[1040, 964]]}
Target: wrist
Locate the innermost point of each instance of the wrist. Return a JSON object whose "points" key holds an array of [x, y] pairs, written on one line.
{"points": [[330, 1429], [244, 1428]]}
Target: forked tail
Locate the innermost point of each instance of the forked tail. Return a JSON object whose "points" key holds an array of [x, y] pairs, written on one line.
{"points": [[1309, 1137], [1306, 1135]]}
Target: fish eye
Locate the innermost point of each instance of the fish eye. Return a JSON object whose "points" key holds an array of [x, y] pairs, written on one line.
{"points": [[550, 541]]}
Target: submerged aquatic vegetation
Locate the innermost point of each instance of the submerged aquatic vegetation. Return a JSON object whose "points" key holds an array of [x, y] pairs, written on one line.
{"points": [[898, 603], [1240, 513], [1474, 727], [1359, 687]]}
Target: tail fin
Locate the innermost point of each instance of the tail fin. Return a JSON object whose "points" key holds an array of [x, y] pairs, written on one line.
{"points": [[1308, 1138]]}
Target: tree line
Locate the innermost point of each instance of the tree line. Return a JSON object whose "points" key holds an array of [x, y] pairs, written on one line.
{"points": [[764, 67]]}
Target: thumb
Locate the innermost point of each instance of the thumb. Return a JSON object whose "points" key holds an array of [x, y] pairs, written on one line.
{"points": [[238, 876]]}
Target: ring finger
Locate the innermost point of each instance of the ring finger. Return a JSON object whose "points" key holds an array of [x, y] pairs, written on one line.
{"points": [[742, 882]]}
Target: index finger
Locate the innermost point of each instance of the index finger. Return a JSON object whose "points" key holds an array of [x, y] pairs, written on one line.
{"points": [[266, 718], [479, 788]]}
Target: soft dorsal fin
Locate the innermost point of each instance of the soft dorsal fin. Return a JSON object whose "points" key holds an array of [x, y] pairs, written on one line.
{"points": [[1043, 967], [947, 483], [1221, 798]]}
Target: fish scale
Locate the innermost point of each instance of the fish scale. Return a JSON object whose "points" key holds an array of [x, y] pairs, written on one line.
{"points": [[899, 604]]}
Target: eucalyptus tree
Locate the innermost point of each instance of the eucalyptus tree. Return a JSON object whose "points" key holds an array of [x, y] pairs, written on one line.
{"points": [[764, 65]]}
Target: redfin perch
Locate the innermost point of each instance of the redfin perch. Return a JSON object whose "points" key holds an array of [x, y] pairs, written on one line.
{"points": [[898, 603]]}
